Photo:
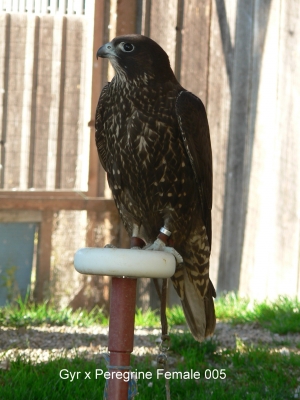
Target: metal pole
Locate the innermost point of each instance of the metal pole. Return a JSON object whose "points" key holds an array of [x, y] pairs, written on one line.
{"points": [[121, 333]]}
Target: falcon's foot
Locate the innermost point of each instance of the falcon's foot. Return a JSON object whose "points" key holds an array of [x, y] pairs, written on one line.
{"points": [[159, 245]]}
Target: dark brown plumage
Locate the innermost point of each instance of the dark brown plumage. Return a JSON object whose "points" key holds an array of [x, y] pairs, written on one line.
{"points": [[153, 141]]}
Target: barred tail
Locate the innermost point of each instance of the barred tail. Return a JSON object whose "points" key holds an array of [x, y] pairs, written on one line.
{"points": [[199, 311]]}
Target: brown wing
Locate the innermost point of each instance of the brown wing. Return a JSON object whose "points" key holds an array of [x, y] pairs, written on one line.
{"points": [[194, 127], [100, 134]]}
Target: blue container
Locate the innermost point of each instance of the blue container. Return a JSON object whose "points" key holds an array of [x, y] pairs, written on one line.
{"points": [[16, 256]]}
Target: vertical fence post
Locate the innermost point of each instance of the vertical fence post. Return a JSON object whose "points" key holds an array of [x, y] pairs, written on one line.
{"points": [[126, 17], [97, 37], [44, 256], [95, 13]]}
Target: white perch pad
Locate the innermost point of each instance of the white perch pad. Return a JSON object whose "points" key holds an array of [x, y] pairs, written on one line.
{"points": [[124, 262]]}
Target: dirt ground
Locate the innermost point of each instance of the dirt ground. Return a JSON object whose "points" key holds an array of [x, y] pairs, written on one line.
{"points": [[40, 344]]}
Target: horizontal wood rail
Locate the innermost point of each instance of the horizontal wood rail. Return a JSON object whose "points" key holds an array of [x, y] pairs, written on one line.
{"points": [[53, 200]]}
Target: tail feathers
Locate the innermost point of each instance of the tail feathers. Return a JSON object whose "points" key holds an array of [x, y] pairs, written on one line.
{"points": [[199, 312]]}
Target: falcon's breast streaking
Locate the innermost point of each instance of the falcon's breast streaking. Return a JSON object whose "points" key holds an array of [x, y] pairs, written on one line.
{"points": [[153, 141]]}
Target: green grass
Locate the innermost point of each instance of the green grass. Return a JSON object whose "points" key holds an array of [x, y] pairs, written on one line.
{"points": [[281, 316], [25, 313], [151, 318], [147, 318], [251, 373]]}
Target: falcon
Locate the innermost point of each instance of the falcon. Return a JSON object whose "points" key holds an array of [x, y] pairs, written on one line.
{"points": [[153, 140]]}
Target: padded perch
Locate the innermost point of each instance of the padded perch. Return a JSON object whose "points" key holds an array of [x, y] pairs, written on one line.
{"points": [[124, 262], [130, 264]]}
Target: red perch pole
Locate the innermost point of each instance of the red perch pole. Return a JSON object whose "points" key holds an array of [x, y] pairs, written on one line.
{"points": [[121, 333]]}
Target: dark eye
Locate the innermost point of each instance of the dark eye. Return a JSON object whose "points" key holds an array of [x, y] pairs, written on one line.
{"points": [[128, 47]]}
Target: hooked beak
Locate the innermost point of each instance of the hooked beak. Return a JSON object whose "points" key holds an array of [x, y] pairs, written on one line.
{"points": [[106, 51]]}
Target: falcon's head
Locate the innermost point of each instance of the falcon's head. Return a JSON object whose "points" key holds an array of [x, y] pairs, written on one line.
{"points": [[136, 55]]}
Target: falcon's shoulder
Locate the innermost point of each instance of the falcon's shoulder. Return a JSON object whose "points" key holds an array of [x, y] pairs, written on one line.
{"points": [[100, 134], [194, 128]]}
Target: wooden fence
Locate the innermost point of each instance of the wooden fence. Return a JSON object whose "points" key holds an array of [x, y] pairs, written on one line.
{"points": [[241, 58], [50, 84], [61, 7]]}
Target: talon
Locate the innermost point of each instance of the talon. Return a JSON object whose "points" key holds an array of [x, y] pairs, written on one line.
{"points": [[110, 246], [175, 253], [159, 245]]}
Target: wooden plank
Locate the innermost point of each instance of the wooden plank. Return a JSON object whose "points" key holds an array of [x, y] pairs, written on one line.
{"points": [[29, 103], [218, 111], [83, 131], [59, 126], [43, 102], [195, 47], [163, 26], [42, 282], [33, 103], [97, 204], [236, 189], [179, 33], [20, 216], [147, 18], [126, 17], [143, 294], [96, 33], [5, 21], [75, 194], [33, 194], [288, 190], [271, 257], [93, 290], [81, 291], [95, 37], [71, 114], [260, 260], [56, 107], [15, 87]]}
